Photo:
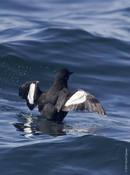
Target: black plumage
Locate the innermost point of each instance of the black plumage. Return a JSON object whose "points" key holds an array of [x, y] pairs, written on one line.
{"points": [[54, 103]]}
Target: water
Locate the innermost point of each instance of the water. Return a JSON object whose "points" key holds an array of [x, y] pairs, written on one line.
{"points": [[90, 38]]}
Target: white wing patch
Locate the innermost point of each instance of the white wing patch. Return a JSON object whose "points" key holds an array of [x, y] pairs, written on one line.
{"points": [[31, 93], [77, 98]]}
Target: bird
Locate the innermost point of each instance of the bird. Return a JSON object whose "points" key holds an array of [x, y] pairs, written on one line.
{"points": [[55, 102]]}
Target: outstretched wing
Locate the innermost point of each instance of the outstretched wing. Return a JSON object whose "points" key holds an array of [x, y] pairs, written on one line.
{"points": [[82, 100], [30, 92]]}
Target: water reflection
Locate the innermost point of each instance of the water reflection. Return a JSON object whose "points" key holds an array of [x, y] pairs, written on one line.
{"points": [[51, 128], [30, 125]]}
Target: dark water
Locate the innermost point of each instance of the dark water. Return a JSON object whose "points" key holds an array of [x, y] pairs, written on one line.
{"points": [[91, 38]]}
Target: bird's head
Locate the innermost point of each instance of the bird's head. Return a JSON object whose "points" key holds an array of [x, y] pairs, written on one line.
{"points": [[63, 74]]}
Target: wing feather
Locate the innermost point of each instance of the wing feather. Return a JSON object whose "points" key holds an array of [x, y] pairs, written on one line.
{"points": [[82, 100], [62, 99], [30, 92]]}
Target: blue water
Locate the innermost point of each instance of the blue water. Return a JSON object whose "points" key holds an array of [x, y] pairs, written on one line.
{"points": [[90, 38]]}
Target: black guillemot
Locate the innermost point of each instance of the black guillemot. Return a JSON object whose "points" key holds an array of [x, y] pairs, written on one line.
{"points": [[54, 103]]}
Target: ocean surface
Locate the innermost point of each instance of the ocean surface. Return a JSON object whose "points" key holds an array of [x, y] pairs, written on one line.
{"points": [[90, 38]]}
